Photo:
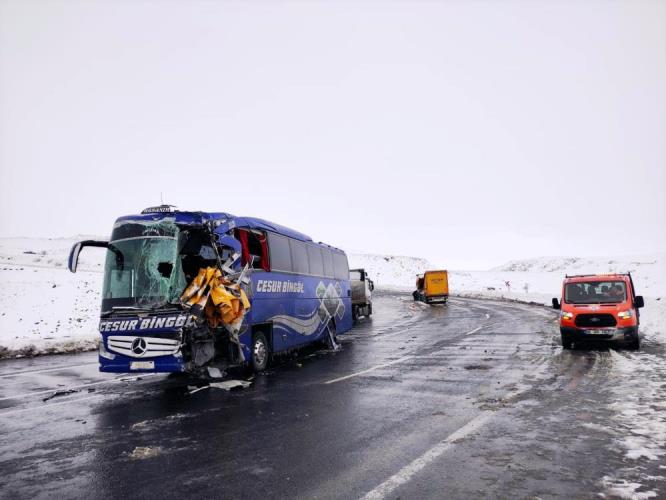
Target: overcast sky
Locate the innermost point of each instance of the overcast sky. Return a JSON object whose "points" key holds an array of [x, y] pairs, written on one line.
{"points": [[467, 132]]}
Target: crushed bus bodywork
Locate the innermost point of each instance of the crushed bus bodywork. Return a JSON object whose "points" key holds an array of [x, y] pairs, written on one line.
{"points": [[177, 294]]}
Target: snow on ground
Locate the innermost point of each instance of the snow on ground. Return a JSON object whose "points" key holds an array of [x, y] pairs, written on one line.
{"points": [[43, 307], [637, 408]]}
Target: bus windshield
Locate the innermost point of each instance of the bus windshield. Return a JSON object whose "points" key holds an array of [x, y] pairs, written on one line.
{"points": [[595, 292], [143, 269]]}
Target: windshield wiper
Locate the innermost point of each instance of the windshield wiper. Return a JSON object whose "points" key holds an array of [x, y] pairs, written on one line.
{"points": [[123, 308]]}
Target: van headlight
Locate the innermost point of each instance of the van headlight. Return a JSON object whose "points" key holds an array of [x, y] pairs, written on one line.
{"points": [[625, 314], [566, 315]]}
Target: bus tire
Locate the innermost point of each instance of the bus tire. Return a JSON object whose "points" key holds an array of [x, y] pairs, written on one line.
{"points": [[260, 352], [331, 328]]}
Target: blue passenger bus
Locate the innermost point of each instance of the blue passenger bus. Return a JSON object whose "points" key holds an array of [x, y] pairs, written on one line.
{"points": [[298, 291]]}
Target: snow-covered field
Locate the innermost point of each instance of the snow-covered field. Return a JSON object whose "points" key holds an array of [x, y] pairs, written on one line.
{"points": [[390, 271], [44, 308], [539, 280]]}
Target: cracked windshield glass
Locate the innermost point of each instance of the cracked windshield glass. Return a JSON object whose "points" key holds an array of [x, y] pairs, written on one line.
{"points": [[142, 266]]}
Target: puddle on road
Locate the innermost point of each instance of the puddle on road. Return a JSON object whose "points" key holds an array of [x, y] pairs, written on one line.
{"points": [[144, 452], [477, 367]]}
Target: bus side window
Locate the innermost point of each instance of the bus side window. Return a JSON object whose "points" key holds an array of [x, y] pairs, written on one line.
{"points": [[329, 270], [341, 266], [299, 257], [254, 249], [315, 260], [280, 253]]}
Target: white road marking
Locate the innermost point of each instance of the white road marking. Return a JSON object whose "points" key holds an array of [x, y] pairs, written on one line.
{"points": [[407, 472], [47, 406], [28, 372], [473, 331], [368, 370], [399, 360]]}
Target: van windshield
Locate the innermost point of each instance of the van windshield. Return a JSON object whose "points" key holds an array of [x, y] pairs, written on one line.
{"points": [[143, 269], [595, 292]]}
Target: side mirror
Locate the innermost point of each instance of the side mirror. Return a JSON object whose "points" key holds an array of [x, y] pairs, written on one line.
{"points": [[372, 285], [73, 260], [639, 302], [556, 304]]}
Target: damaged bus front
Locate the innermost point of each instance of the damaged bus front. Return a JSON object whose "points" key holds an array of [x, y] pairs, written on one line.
{"points": [[195, 292]]}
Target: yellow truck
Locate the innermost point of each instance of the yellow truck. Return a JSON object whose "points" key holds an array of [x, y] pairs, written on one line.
{"points": [[432, 287]]}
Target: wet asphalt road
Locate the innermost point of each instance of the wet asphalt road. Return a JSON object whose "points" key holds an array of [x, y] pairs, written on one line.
{"points": [[472, 399]]}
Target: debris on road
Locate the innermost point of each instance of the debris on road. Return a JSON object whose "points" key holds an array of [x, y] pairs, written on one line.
{"points": [[193, 389], [62, 392], [477, 367], [227, 385], [143, 452]]}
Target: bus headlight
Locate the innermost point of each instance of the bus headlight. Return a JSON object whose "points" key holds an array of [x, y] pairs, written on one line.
{"points": [[566, 315], [625, 314], [103, 352]]}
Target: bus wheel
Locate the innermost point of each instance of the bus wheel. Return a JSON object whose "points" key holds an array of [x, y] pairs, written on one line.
{"points": [[331, 336], [260, 352]]}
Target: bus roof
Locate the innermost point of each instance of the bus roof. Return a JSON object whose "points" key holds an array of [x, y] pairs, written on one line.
{"points": [[180, 217]]}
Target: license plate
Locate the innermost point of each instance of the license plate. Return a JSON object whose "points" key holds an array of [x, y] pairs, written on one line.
{"points": [[600, 332], [142, 365]]}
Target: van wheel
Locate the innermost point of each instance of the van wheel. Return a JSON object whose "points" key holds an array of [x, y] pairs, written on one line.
{"points": [[260, 352], [635, 345], [566, 343]]}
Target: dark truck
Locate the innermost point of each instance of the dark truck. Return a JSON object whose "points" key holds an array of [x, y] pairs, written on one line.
{"points": [[361, 289]]}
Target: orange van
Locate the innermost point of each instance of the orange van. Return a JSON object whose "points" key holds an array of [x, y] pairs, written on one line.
{"points": [[599, 307]]}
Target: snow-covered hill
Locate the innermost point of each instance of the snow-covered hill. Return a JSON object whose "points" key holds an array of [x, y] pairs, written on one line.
{"points": [[539, 280], [50, 252], [390, 271], [544, 275]]}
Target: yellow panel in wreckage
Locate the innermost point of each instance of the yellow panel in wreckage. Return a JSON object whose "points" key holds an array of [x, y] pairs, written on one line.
{"points": [[228, 302]]}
